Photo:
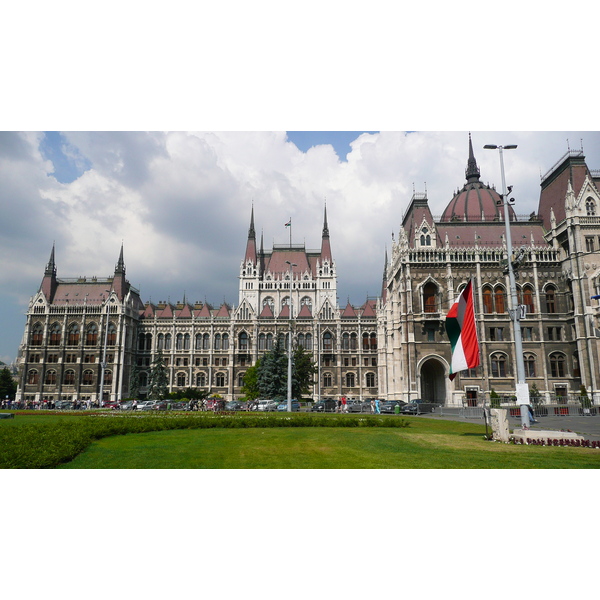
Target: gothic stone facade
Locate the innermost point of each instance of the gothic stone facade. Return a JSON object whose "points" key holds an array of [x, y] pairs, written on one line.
{"points": [[394, 347]]}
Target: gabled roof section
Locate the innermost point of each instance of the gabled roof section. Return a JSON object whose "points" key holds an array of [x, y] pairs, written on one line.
{"points": [[369, 309], [267, 312], [185, 312], [349, 312], [285, 312], [204, 313], [305, 312], [224, 311], [166, 312], [149, 311], [417, 212]]}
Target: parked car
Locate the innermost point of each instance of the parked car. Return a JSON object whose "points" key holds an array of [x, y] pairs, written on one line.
{"points": [[326, 405], [284, 406], [389, 406], [179, 406], [418, 407], [146, 404], [63, 405], [127, 405], [111, 405], [267, 405], [361, 407], [161, 405], [234, 405]]}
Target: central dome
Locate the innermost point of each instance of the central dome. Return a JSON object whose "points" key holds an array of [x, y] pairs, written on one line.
{"points": [[475, 201]]}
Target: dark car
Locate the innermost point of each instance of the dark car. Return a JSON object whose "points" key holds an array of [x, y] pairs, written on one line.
{"points": [[234, 405], [361, 407], [162, 405], [418, 407], [324, 406], [389, 406]]}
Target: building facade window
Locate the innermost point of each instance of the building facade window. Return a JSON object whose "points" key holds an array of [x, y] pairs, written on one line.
{"points": [[557, 364], [54, 335], [498, 364], [550, 299], [529, 362], [430, 297], [37, 335], [326, 379], [88, 378], [370, 380], [69, 378], [350, 380], [73, 335]]}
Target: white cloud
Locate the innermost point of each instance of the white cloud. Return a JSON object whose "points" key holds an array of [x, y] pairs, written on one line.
{"points": [[180, 203]]}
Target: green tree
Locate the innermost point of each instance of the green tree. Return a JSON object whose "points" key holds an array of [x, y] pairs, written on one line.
{"points": [[8, 386], [134, 382], [303, 371], [272, 374], [159, 380], [250, 388]]}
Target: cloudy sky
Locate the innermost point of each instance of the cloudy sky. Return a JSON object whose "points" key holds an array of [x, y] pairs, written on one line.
{"points": [[180, 202]]}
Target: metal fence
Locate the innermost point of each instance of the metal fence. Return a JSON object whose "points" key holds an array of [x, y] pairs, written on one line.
{"points": [[539, 410]]}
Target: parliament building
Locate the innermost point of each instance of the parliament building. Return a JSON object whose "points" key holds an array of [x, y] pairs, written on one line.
{"points": [[88, 338]]}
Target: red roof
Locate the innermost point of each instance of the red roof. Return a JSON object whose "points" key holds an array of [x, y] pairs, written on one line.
{"points": [[305, 312], [349, 312], [369, 309], [223, 311], [267, 313]]}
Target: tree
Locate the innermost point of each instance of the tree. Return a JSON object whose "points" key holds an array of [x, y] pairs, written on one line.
{"points": [[159, 380], [272, 374], [134, 382], [8, 387], [250, 388], [303, 371]]}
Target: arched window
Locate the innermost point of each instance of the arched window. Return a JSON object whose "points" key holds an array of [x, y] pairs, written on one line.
{"points": [[241, 379], [37, 335], [550, 299], [326, 379], [269, 341], [346, 341], [225, 341], [161, 342], [301, 340], [73, 335], [262, 341], [557, 364], [200, 379], [528, 299], [69, 378], [88, 377], [430, 297], [498, 363], [350, 380], [50, 377], [179, 342], [91, 337], [499, 299], [217, 341], [108, 378], [365, 341], [529, 362], [488, 304], [353, 341], [590, 207], [168, 339], [198, 344], [220, 379], [206, 342], [243, 342], [180, 379], [327, 342], [373, 340], [186, 341], [111, 339], [32, 377], [54, 335], [370, 380]]}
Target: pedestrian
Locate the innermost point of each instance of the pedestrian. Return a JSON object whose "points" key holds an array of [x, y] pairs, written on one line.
{"points": [[377, 409], [344, 404], [339, 405], [531, 414], [372, 405]]}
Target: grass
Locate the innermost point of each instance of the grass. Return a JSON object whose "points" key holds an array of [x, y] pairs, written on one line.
{"points": [[91, 443]]}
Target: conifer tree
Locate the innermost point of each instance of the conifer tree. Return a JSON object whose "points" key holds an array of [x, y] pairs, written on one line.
{"points": [[159, 380]]}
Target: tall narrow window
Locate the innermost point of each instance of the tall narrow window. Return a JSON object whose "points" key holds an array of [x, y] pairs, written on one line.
{"points": [[111, 338], [499, 299], [37, 335], [488, 304], [73, 335], [528, 299], [557, 364], [54, 335], [327, 342], [550, 299], [430, 298], [349, 379], [370, 380], [498, 364], [91, 338], [243, 341], [529, 362]]}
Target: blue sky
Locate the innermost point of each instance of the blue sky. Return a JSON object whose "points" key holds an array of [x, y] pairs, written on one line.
{"points": [[180, 202]]}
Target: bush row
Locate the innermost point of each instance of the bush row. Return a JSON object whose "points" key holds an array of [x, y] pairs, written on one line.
{"points": [[39, 446]]}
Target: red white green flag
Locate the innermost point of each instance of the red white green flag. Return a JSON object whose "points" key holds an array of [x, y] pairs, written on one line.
{"points": [[462, 331]]}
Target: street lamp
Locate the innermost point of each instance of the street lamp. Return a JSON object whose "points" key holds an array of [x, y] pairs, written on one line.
{"points": [[103, 363], [522, 388], [289, 374]]}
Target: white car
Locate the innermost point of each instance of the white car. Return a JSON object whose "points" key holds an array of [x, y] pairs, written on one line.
{"points": [[267, 405], [146, 404]]}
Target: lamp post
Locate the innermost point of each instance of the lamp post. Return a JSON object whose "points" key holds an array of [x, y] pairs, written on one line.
{"points": [[103, 363], [522, 389], [289, 373]]}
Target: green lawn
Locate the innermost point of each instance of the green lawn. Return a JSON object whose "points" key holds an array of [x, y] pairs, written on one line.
{"points": [[427, 444]]}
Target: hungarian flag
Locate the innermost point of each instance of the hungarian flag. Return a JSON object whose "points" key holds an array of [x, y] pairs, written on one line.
{"points": [[462, 331], [289, 223]]}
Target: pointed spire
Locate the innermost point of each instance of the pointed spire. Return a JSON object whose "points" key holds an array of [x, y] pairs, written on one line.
{"points": [[251, 244], [472, 173], [120, 268], [51, 266], [325, 245]]}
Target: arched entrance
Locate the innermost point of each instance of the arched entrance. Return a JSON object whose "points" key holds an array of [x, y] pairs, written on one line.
{"points": [[433, 381]]}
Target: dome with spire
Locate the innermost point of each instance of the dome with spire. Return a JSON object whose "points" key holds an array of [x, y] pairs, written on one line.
{"points": [[475, 201]]}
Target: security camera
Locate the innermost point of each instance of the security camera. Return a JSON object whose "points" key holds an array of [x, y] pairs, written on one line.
{"points": [[512, 200]]}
